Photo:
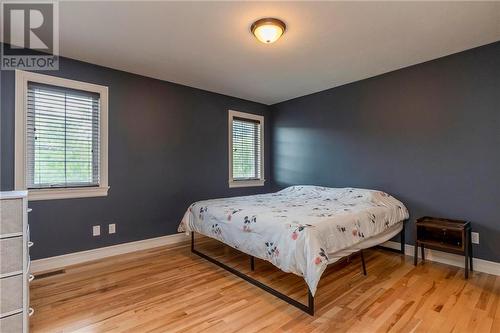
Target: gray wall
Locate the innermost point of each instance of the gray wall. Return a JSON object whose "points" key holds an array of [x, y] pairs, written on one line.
{"points": [[167, 148], [428, 134]]}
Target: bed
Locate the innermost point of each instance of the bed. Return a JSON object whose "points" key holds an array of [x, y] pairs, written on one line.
{"points": [[300, 229]]}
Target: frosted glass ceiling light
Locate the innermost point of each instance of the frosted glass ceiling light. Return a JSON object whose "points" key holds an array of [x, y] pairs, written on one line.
{"points": [[268, 30]]}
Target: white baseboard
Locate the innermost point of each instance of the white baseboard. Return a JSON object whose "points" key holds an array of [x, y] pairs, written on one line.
{"points": [[480, 265], [58, 262]]}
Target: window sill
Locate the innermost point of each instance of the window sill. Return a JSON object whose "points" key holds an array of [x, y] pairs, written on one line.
{"points": [[246, 183], [67, 193]]}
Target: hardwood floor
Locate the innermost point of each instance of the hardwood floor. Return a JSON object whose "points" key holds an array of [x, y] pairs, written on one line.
{"points": [[168, 289]]}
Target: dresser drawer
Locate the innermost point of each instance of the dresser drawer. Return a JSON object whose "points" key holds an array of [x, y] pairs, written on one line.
{"points": [[12, 323], [11, 293], [11, 216], [12, 255]]}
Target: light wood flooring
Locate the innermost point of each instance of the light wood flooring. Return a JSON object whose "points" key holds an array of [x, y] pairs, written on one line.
{"points": [[168, 289]]}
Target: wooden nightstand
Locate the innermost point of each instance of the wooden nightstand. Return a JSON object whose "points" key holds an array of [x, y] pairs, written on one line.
{"points": [[445, 235]]}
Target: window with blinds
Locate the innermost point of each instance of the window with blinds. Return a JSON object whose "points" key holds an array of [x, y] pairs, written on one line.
{"points": [[246, 149], [62, 147]]}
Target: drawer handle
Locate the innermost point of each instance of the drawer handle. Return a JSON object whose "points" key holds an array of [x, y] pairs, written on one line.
{"points": [[29, 210], [31, 278], [29, 265], [31, 311], [30, 244]]}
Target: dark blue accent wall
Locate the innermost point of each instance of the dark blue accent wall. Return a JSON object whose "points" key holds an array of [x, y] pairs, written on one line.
{"points": [[428, 134], [168, 147]]}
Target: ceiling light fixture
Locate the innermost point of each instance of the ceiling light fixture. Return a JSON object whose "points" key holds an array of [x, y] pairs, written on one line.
{"points": [[268, 30]]}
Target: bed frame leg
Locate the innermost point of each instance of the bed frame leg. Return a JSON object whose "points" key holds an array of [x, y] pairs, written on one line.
{"points": [[403, 241], [192, 241], [363, 261], [310, 302], [252, 263]]}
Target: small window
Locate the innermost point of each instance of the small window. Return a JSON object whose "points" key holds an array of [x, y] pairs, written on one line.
{"points": [[62, 137], [61, 147], [246, 149]]}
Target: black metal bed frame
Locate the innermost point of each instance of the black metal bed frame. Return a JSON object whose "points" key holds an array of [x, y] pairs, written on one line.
{"points": [[309, 308]]}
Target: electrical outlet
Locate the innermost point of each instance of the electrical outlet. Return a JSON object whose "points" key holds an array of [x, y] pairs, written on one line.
{"points": [[112, 228], [96, 230], [475, 237]]}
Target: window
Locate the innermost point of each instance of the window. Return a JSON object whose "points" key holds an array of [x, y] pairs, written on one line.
{"points": [[61, 137], [246, 149]]}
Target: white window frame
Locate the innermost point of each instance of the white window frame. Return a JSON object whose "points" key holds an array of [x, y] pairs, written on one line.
{"points": [[20, 168], [245, 183]]}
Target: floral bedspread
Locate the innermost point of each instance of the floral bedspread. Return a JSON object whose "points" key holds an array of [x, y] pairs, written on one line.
{"points": [[296, 228]]}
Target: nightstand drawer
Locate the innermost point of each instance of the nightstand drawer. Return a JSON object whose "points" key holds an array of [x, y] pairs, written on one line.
{"points": [[11, 293], [12, 255], [440, 236], [11, 216]]}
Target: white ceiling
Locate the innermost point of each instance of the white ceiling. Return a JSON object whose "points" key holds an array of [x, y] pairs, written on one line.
{"points": [[208, 45]]}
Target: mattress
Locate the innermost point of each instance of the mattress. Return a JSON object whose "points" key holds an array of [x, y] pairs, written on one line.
{"points": [[300, 229]]}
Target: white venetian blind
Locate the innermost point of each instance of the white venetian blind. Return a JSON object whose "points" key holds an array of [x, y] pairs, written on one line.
{"points": [[62, 137], [246, 149]]}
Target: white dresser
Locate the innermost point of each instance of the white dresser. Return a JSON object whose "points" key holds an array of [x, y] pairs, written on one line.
{"points": [[14, 262]]}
